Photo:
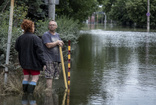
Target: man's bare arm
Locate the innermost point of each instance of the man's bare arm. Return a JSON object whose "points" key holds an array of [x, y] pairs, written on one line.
{"points": [[53, 44]]}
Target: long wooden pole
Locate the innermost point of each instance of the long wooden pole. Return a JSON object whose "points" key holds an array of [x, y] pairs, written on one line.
{"points": [[9, 40], [9, 35], [63, 68]]}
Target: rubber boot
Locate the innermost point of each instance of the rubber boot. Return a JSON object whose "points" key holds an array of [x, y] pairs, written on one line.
{"points": [[25, 86], [30, 89]]}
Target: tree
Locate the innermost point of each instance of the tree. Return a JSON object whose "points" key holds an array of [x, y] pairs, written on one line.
{"points": [[19, 14], [153, 14], [128, 12], [36, 8], [140, 8], [119, 12], [107, 5], [4, 5], [78, 9], [137, 10]]}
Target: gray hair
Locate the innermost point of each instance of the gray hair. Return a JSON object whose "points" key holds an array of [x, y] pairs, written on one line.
{"points": [[53, 21]]}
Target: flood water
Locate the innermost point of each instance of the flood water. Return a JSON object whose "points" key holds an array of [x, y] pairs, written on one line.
{"points": [[108, 68]]}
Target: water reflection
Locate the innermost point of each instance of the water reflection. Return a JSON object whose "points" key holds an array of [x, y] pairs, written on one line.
{"points": [[51, 99], [118, 68], [5, 78], [28, 100]]}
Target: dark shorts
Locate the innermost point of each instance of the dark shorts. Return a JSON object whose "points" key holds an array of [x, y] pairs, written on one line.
{"points": [[52, 69], [31, 72]]}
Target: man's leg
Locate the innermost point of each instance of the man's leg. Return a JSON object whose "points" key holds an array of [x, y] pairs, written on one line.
{"points": [[57, 70], [49, 73]]}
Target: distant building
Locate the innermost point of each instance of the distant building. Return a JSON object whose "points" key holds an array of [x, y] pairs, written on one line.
{"points": [[91, 20]]}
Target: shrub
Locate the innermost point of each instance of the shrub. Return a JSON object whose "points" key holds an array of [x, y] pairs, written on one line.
{"points": [[19, 14], [68, 29]]}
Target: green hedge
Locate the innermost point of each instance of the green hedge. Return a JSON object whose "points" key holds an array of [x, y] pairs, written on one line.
{"points": [[67, 28]]}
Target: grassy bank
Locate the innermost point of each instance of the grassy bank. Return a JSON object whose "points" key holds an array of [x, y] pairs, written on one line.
{"points": [[14, 84]]}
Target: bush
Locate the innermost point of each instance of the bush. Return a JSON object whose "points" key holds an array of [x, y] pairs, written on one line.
{"points": [[3, 42], [19, 14], [67, 28]]}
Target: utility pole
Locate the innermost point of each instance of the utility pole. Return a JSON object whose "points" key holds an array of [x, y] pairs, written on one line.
{"points": [[9, 39], [9, 35], [105, 20], [51, 13], [148, 15], [97, 18]]}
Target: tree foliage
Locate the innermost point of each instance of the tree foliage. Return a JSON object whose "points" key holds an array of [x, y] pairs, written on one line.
{"points": [[130, 11], [139, 16], [19, 14], [153, 13], [119, 12], [35, 10], [76, 9], [4, 5], [68, 28], [125, 12]]}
